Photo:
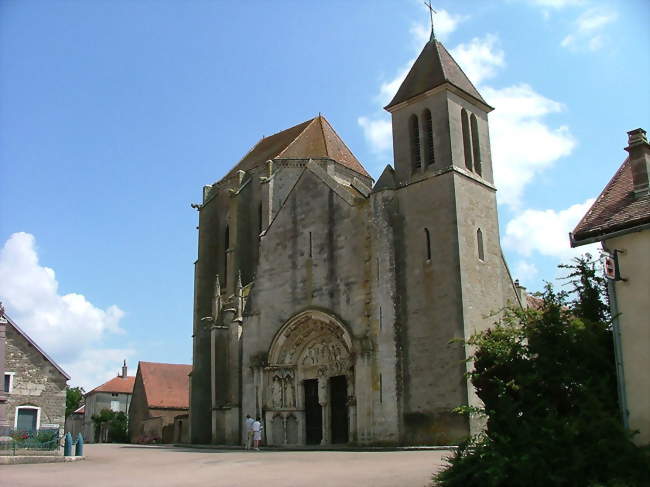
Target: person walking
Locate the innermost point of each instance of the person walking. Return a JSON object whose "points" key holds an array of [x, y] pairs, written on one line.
{"points": [[249, 431], [257, 433]]}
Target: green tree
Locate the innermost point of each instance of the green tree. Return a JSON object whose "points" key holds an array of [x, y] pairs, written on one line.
{"points": [[547, 381], [115, 422], [73, 398]]}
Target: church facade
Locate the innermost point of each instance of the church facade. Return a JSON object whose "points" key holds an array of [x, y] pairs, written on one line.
{"points": [[329, 305]]}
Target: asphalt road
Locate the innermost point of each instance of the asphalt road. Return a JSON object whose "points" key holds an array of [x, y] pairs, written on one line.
{"points": [[133, 465]]}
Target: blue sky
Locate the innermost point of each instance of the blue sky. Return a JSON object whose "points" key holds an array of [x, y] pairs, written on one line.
{"points": [[114, 114]]}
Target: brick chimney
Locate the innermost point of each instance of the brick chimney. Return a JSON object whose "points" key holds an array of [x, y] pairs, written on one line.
{"points": [[124, 369], [639, 151]]}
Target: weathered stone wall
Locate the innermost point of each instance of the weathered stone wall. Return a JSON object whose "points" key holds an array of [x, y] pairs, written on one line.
{"points": [[36, 382], [138, 412]]}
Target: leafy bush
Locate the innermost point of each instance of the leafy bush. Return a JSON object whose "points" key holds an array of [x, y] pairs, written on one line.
{"points": [[547, 381], [115, 422]]}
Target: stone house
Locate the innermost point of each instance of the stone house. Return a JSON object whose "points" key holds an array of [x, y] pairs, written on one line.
{"points": [[160, 394], [114, 395], [620, 220], [325, 302], [33, 392]]}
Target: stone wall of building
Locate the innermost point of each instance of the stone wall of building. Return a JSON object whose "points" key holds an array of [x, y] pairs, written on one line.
{"points": [[36, 383]]}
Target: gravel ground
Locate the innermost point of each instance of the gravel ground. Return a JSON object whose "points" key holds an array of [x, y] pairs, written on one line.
{"points": [[113, 465]]}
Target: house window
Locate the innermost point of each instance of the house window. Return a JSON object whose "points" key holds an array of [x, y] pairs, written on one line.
{"points": [[475, 145], [414, 127], [114, 394], [115, 406], [8, 385], [429, 157], [28, 418], [479, 244], [467, 143]]}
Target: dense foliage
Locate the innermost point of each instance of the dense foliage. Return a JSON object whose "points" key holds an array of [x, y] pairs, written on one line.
{"points": [[547, 380], [116, 423], [73, 398]]}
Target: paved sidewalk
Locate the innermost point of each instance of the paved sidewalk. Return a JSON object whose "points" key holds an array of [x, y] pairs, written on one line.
{"points": [[159, 466]]}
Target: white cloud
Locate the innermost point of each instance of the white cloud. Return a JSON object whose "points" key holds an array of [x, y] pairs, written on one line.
{"points": [[587, 30], [525, 271], [94, 366], [557, 4], [63, 325], [522, 144], [444, 23], [546, 232], [481, 58], [378, 133]]}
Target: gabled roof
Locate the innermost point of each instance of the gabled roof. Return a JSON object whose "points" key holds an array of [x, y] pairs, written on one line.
{"points": [[80, 410], [33, 344], [166, 385], [386, 180], [433, 67], [314, 138], [119, 384], [616, 209]]}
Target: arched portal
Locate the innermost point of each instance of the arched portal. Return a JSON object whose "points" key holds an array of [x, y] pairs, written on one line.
{"points": [[309, 382]]}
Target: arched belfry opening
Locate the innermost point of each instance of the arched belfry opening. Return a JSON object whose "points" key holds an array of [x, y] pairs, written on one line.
{"points": [[309, 382]]}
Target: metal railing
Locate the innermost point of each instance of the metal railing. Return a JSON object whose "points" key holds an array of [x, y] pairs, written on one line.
{"points": [[13, 441]]}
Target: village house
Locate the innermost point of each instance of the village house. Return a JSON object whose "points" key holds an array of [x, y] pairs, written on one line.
{"points": [[33, 394], [160, 402], [620, 220], [114, 395]]}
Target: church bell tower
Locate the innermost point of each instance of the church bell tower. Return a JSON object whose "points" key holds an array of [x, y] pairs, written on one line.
{"points": [[451, 274]]}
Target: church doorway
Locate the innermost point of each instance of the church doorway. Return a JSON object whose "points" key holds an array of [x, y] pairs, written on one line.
{"points": [[313, 413], [339, 408]]}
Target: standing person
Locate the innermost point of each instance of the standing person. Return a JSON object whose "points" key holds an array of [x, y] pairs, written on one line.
{"points": [[257, 433], [249, 431]]}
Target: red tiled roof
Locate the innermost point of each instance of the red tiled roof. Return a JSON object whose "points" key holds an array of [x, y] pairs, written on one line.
{"points": [[166, 385], [314, 138], [617, 208], [117, 384], [533, 302]]}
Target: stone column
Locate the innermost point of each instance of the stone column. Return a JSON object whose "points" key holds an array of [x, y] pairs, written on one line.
{"points": [[323, 400], [352, 408], [3, 340]]}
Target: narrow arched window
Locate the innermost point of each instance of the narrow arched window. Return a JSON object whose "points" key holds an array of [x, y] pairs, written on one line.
{"points": [[467, 143], [226, 246], [479, 244], [414, 132], [427, 236], [429, 157], [475, 145], [259, 219]]}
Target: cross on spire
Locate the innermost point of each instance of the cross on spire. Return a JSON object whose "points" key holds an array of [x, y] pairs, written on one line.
{"points": [[431, 12]]}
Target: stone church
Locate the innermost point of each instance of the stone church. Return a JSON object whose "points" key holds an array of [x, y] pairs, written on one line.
{"points": [[327, 303]]}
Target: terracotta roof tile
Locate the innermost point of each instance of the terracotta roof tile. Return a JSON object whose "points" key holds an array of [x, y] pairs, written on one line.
{"points": [[166, 385], [117, 384], [617, 208], [433, 67], [313, 138]]}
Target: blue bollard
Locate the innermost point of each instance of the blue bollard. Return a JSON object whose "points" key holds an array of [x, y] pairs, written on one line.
{"points": [[79, 447], [67, 445]]}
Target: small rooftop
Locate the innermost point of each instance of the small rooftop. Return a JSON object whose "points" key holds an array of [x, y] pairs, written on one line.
{"points": [[166, 385], [119, 384]]}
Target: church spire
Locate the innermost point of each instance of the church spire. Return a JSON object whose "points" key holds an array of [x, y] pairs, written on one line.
{"points": [[434, 67]]}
